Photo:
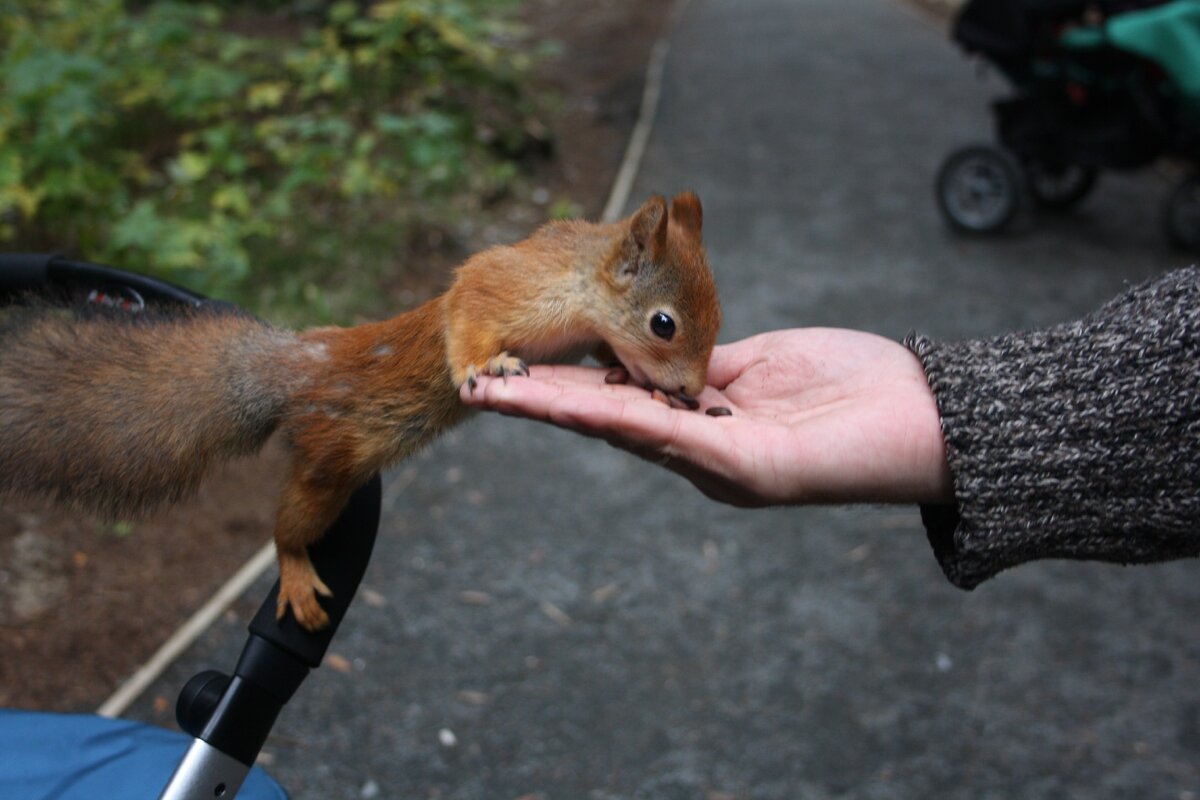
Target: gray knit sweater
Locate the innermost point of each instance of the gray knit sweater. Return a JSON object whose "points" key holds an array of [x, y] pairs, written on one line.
{"points": [[1079, 441]]}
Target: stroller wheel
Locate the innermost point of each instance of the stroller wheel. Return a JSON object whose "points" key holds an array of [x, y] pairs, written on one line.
{"points": [[1182, 215], [1058, 187], [979, 189]]}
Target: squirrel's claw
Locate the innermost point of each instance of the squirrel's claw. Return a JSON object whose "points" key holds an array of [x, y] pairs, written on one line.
{"points": [[617, 375], [305, 609], [689, 402], [679, 400], [504, 365], [501, 366], [299, 586]]}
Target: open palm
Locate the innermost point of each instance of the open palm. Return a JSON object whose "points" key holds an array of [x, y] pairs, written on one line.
{"points": [[818, 416]]}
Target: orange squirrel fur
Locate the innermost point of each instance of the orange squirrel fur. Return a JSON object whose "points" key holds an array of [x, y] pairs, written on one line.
{"points": [[119, 415]]}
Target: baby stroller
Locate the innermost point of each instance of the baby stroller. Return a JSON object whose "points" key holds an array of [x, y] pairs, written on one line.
{"points": [[226, 719], [1105, 84]]}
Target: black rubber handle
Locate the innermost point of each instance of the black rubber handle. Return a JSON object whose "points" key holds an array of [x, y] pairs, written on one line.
{"points": [[340, 558], [24, 272], [82, 273], [235, 714], [34, 272]]}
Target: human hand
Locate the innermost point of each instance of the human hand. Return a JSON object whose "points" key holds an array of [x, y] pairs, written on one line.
{"points": [[818, 416]]}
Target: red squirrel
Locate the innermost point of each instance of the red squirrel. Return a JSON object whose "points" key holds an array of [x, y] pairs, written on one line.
{"points": [[119, 414]]}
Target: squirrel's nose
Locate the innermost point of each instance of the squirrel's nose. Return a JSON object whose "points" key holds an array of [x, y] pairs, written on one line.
{"points": [[694, 384], [685, 398]]}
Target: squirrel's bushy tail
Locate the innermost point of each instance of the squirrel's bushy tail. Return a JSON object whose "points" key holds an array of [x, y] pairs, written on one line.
{"points": [[118, 414]]}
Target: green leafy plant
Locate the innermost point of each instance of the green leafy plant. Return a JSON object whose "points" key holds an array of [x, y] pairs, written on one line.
{"points": [[159, 138]]}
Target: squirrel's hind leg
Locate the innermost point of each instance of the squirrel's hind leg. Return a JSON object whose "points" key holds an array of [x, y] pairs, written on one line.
{"points": [[299, 586], [306, 509]]}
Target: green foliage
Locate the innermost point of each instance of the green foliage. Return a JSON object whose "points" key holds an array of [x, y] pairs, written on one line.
{"points": [[564, 209], [160, 139]]}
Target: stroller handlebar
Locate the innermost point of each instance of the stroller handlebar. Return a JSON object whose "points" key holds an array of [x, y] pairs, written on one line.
{"points": [[235, 714], [32, 272]]}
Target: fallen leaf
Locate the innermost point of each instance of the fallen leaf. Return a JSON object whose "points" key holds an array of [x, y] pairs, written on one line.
{"points": [[605, 592], [339, 663], [472, 697], [858, 553], [555, 613]]}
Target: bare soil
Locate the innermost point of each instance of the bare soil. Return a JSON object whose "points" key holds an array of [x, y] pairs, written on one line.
{"points": [[83, 604]]}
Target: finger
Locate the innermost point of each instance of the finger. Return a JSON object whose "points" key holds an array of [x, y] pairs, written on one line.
{"points": [[573, 379], [700, 448], [525, 398], [562, 380], [570, 373], [565, 374], [644, 425], [728, 361], [613, 411], [623, 416], [536, 399], [583, 407]]}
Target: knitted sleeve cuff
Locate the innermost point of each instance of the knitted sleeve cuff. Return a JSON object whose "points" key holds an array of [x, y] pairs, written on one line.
{"points": [[1079, 441]]}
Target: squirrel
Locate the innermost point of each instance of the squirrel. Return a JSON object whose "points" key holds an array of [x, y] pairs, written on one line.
{"points": [[118, 414]]}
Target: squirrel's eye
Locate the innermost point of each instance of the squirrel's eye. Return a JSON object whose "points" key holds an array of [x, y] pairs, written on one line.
{"points": [[662, 325]]}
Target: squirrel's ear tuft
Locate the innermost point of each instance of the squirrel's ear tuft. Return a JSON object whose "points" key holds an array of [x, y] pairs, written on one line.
{"points": [[687, 213], [649, 225]]}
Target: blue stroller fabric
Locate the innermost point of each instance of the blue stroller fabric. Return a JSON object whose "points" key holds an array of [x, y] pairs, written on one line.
{"points": [[46, 756]]}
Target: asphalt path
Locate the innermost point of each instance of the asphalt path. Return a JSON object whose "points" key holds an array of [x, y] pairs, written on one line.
{"points": [[549, 618]]}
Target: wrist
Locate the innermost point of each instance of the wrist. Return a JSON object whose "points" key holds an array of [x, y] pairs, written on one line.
{"points": [[934, 483]]}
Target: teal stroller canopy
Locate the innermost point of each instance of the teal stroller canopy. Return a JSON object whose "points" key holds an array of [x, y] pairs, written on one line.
{"points": [[1168, 35]]}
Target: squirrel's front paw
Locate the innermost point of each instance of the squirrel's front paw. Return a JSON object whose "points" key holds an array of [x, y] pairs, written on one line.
{"points": [[299, 586], [501, 366]]}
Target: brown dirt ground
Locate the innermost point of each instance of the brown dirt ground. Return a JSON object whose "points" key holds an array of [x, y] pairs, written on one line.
{"points": [[82, 604]]}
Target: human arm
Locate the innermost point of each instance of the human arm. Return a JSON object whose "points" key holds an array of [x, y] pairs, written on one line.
{"points": [[1078, 441]]}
